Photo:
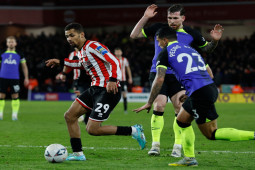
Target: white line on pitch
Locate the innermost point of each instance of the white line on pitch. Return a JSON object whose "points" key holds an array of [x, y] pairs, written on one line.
{"points": [[115, 148]]}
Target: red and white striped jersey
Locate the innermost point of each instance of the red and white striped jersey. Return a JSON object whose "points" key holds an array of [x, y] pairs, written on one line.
{"points": [[98, 62], [76, 72], [123, 64]]}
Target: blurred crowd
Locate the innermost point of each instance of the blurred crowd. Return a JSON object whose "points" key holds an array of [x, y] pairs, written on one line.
{"points": [[232, 62]]}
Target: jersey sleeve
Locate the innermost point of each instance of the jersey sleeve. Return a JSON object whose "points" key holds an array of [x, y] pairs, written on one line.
{"points": [[199, 40], [162, 60], [151, 30], [127, 63], [22, 57], [102, 52], [73, 63]]}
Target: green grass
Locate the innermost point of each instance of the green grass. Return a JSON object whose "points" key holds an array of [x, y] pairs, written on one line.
{"points": [[22, 143]]}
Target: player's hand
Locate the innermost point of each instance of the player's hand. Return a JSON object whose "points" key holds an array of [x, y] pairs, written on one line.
{"points": [[147, 107], [151, 11], [26, 82], [52, 62], [130, 81], [217, 32], [111, 87], [61, 77]]}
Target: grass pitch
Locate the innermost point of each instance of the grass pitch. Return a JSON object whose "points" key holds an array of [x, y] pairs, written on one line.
{"points": [[22, 143]]}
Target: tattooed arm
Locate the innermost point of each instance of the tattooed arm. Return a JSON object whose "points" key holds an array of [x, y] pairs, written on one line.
{"points": [[210, 46], [157, 84], [156, 87]]}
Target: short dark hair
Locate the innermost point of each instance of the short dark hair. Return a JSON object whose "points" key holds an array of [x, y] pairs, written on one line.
{"points": [[166, 32], [76, 26], [117, 48], [176, 8]]}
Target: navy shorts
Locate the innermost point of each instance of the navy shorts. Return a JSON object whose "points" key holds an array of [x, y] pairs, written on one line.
{"points": [[99, 101], [171, 85], [201, 104], [12, 83]]}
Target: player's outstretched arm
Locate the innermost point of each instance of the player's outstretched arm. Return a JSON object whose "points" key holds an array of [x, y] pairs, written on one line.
{"points": [[130, 80], [216, 35], [52, 62], [25, 71], [156, 87], [149, 13]]}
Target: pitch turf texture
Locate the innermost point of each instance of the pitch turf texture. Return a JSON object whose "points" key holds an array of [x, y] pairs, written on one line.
{"points": [[22, 143]]}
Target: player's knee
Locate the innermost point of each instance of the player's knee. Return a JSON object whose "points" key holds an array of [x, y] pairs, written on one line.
{"points": [[212, 136], [92, 131], [68, 117], [159, 106], [182, 125]]}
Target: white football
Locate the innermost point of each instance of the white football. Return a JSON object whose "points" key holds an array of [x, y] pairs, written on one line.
{"points": [[55, 153]]}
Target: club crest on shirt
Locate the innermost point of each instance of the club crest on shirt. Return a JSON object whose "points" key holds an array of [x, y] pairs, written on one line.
{"points": [[102, 50], [87, 64]]}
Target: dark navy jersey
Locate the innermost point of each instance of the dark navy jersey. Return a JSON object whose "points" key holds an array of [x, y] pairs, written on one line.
{"points": [[10, 61], [187, 65], [185, 35]]}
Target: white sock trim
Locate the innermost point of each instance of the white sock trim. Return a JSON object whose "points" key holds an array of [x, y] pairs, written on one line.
{"points": [[177, 146], [79, 153], [133, 130], [156, 143]]}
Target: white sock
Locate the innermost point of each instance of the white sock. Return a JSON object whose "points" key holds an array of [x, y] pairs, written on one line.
{"points": [[133, 130], [155, 143], [79, 153], [177, 146]]}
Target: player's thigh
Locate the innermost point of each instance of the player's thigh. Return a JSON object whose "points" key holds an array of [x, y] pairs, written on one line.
{"points": [[208, 128], [174, 90], [82, 105], [175, 99], [184, 116], [93, 125], [4, 83], [124, 94], [76, 110]]}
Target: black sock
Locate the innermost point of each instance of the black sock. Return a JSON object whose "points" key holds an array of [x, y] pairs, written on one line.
{"points": [[125, 103], [76, 144], [158, 113], [124, 130]]}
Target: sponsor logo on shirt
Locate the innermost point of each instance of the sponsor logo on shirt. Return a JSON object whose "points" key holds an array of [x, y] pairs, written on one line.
{"points": [[10, 60], [101, 50], [87, 64]]}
